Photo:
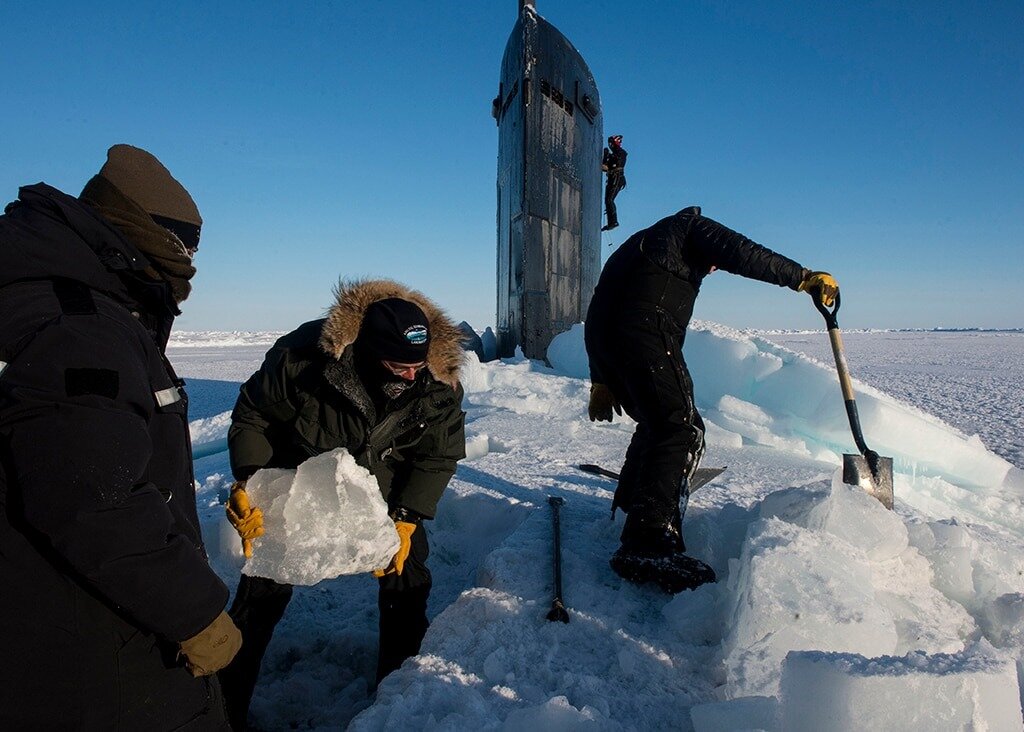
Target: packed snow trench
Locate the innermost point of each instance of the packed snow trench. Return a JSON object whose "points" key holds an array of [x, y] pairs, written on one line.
{"points": [[830, 612]]}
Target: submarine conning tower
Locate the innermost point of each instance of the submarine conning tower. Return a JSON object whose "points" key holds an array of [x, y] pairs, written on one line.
{"points": [[550, 137]]}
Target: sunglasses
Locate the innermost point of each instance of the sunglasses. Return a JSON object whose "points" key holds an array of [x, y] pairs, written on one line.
{"points": [[188, 234], [401, 369]]}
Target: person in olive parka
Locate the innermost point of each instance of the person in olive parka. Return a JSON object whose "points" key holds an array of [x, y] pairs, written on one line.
{"points": [[110, 615], [634, 335], [380, 377]]}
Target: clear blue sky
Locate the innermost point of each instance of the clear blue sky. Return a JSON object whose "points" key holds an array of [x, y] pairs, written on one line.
{"points": [[882, 141]]}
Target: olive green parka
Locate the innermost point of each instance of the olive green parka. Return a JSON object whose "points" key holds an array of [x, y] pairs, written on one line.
{"points": [[307, 399]]}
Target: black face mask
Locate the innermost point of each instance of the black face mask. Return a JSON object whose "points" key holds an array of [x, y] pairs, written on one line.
{"points": [[377, 377], [395, 389]]}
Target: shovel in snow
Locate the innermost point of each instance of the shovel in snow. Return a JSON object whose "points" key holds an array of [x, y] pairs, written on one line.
{"points": [[868, 470]]}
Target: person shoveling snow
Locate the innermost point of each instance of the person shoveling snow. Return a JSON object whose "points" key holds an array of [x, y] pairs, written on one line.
{"points": [[634, 334]]}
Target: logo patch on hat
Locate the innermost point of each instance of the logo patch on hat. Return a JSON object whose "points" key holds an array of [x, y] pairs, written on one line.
{"points": [[416, 335]]}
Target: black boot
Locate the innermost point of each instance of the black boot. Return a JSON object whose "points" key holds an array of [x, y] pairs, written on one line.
{"points": [[652, 551]]}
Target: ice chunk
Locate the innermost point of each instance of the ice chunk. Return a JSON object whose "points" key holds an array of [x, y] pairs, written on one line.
{"points": [[566, 355], [471, 340], [719, 437], [795, 589], [974, 689], [475, 376], [555, 715], [755, 424], [950, 549], [489, 341], [321, 521], [844, 511], [745, 713], [1003, 621]]}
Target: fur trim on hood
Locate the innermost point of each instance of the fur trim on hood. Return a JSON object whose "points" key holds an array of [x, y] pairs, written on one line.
{"points": [[444, 357]]}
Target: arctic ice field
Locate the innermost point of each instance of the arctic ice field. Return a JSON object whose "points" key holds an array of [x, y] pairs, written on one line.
{"points": [[830, 612]]}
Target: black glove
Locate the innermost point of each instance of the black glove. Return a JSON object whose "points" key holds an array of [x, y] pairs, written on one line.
{"points": [[602, 402]]}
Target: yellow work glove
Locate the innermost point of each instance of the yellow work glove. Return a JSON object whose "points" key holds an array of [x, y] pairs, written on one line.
{"points": [[405, 531], [602, 402], [820, 285], [212, 648], [247, 520]]}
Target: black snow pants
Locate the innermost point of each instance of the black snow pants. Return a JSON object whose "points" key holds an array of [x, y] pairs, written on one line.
{"points": [[613, 185], [260, 603], [639, 354]]}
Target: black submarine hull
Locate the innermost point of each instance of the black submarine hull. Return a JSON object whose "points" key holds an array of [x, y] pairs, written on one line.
{"points": [[550, 136]]}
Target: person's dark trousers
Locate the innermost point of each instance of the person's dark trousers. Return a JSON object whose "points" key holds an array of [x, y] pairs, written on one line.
{"points": [[615, 183], [260, 603], [258, 606], [640, 356], [631, 469], [403, 607]]}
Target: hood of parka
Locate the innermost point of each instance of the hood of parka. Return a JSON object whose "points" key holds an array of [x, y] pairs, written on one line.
{"points": [[345, 316]]}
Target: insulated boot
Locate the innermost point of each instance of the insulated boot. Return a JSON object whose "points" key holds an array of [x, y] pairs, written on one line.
{"points": [[672, 573], [652, 551]]}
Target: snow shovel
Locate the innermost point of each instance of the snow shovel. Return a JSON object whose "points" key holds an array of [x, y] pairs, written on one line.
{"points": [[700, 478], [868, 470], [558, 611]]}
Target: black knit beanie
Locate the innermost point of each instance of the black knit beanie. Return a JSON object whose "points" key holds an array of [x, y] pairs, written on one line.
{"points": [[395, 330]]}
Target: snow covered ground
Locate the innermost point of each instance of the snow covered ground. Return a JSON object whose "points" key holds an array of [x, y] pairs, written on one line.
{"points": [[825, 601]]}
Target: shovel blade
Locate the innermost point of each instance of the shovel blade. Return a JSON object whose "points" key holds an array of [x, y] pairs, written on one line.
{"points": [[878, 482]]}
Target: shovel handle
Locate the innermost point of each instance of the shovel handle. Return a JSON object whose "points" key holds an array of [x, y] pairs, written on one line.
{"points": [[837, 345], [844, 376], [829, 315], [558, 611]]}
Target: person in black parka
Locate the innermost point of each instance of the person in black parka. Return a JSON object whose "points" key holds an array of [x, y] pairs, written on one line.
{"points": [[110, 615], [634, 334], [378, 376], [613, 163]]}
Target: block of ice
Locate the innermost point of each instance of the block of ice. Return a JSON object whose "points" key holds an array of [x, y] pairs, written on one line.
{"points": [[719, 437], [489, 341], [554, 715], [950, 549], [1003, 621], [844, 511], [925, 618], [795, 589], [321, 521], [745, 713], [974, 689], [475, 376], [565, 355], [755, 424], [471, 340]]}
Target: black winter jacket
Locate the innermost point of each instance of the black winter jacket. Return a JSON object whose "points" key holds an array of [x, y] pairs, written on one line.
{"points": [[102, 565], [663, 266], [305, 400], [614, 160]]}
